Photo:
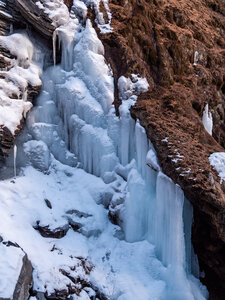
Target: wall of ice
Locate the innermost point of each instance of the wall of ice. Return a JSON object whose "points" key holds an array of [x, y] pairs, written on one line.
{"points": [[75, 121]]}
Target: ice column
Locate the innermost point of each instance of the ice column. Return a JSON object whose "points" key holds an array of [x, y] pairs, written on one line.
{"points": [[169, 235], [207, 120], [14, 159]]}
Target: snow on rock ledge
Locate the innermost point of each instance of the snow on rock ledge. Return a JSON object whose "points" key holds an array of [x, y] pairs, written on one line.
{"points": [[19, 82], [56, 10]]}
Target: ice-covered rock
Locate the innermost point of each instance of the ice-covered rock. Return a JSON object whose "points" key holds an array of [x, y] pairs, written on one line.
{"points": [[217, 161], [80, 9], [37, 154]]}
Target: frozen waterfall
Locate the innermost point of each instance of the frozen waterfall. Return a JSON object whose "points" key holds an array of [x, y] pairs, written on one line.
{"points": [[74, 123]]}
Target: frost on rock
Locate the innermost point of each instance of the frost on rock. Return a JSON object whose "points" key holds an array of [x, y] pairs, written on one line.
{"points": [[207, 120], [217, 161], [21, 74]]}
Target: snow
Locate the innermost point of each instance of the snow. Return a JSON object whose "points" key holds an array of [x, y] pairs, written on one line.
{"points": [[80, 9], [132, 86], [37, 154], [76, 153], [18, 45], [207, 120], [5, 14], [165, 139], [103, 25], [217, 161], [14, 82], [10, 267], [56, 10], [3, 4]]}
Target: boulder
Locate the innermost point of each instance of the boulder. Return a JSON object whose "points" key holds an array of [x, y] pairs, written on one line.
{"points": [[37, 154], [16, 272], [56, 233]]}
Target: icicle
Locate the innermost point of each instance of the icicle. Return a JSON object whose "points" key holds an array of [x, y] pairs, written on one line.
{"points": [[196, 58], [54, 41], [169, 237], [24, 97], [11, 28], [14, 159], [207, 120]]}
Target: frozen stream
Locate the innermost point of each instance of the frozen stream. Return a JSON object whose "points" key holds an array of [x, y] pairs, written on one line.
{"points": [[77, 155]]}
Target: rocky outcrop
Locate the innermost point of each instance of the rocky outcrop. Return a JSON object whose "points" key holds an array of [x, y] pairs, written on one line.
{"points": [[179, 47], [56, 233], [36, 17], [18, 270], [24, 282]]}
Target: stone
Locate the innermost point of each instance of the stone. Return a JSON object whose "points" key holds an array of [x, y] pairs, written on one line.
{"points": [[24, 282], [56, 233], [20, 272], [37, 154], [48, 203], [36, 17]]}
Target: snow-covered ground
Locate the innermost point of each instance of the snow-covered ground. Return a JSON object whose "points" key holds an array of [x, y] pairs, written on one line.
{"points": [[120, 268], [80, 169]]}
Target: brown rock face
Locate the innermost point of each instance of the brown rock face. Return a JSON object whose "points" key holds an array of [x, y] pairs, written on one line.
{"points": [[159, 40], [68, 3], [24, 282], [36, 17]]}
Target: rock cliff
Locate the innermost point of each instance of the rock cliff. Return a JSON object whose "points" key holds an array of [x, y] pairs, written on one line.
{"points": [[179, 47]]}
